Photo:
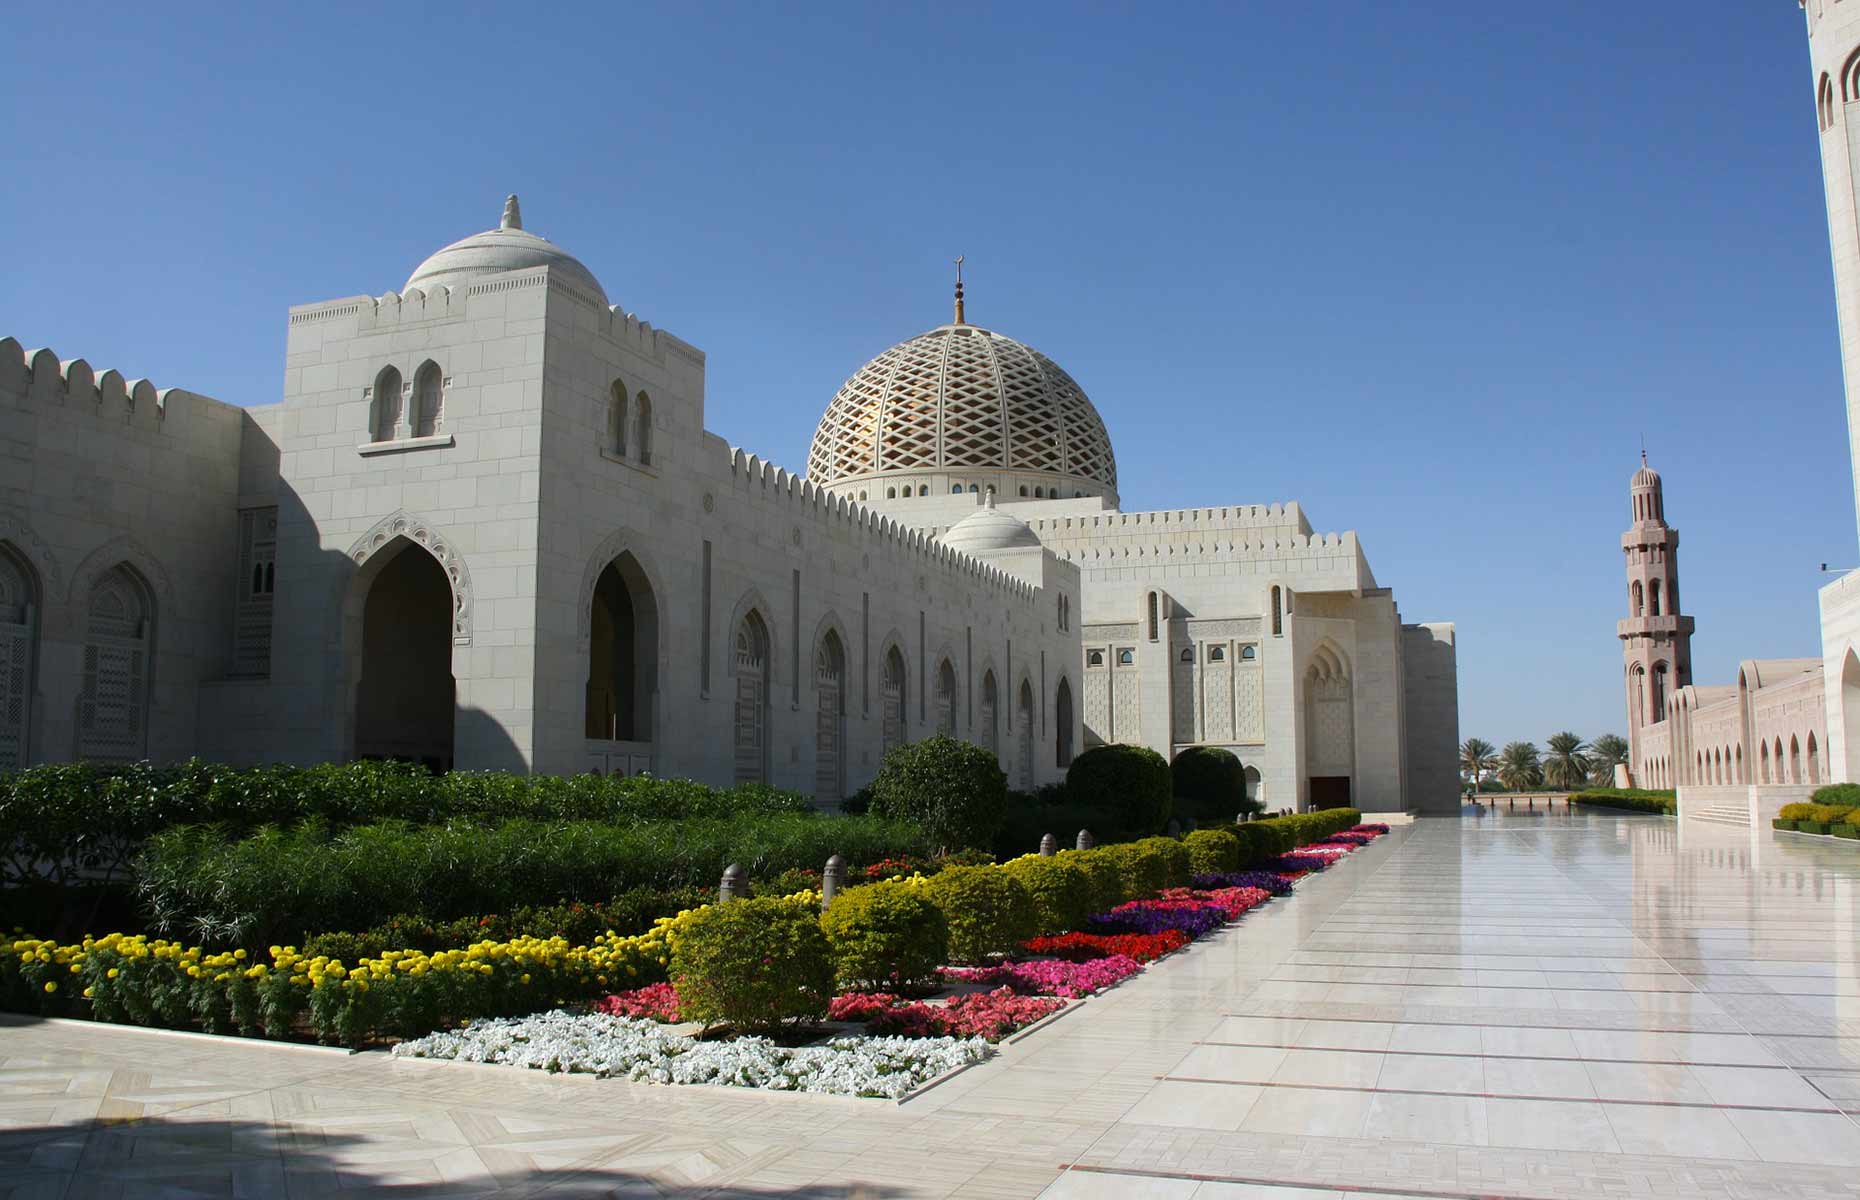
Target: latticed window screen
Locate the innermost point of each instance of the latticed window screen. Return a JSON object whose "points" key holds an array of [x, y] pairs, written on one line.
{"points": [[962, 397], [429, 415], [946, 700], [751, 700], [113, 706], [258, 575], [16, 624], [830, 723], [892, 695]]}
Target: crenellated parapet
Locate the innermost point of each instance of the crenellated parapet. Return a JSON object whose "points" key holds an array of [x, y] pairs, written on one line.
{"points": [[776, 484], [40, 377], [1171, 521]]}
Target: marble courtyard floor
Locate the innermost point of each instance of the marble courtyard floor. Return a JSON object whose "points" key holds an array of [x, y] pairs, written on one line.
{"points": [[1529, 1007]]}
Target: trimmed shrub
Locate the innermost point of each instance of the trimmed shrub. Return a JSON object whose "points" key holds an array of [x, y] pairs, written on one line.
{"points": [[989, 911], [1209, 784], [884, 935], [753, 964], [1830, 814], [278, 885], [1628, 799], [1844, 795], [1796, 812], [1214, 851], [1128, 786], [1845, 830], [1105, 882], [1178, 864], [1061, 890], [630, 912], [1141, 871], [954, 790]]}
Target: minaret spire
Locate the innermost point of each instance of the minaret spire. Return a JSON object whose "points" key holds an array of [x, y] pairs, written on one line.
{"points": [[959, 319], [513, 213]]}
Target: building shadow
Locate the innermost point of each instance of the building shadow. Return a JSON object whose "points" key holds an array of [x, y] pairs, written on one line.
{"points": [[175, 1155]]}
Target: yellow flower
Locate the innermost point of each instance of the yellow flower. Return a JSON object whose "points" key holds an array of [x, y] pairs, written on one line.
{"points": [[112, 973], [50, 987]]}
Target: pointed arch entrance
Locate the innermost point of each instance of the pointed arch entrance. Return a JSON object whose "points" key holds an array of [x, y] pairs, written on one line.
{"points": [[119, 636], [1023, 758], [1330, 727], [946, 699], [405, 695], [752, 699], [623, 653], [989, 715], [830, 719], [1062, 720], [891, 695]]}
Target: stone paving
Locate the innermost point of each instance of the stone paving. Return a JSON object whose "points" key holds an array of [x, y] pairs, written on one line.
{"points": [[1528, 1007]]}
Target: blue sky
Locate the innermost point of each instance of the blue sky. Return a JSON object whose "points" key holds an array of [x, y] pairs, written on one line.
{"points": [[1431, 273]]}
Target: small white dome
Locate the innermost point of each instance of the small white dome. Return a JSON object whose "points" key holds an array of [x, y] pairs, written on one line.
{"points": [[989, 529], [509, 247]]}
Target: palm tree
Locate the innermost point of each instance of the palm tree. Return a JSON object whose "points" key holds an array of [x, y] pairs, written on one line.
{"points": [[1605, 753], [1567, 764], [1518, 766], [1478, 759]]}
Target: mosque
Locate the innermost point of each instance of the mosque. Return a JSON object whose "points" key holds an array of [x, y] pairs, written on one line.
{"points": [[487, 527]]}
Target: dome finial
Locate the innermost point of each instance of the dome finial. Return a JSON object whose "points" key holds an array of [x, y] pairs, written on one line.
{"points": [[513, 213], [959, 319]]}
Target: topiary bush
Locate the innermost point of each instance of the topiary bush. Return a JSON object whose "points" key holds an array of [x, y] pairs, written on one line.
{"points": [[1830, 814], [1210, 784], [753, 964], [1213, 851], [884, 936], [989, 911], [1104, 881], [1142, 872], [1844, 795], [954, 790], [1127, 786], [1061, 891], [1178, 865], [1798, 811]]}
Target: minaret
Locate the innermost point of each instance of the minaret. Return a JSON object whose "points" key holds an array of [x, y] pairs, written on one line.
{"points": [[1656, 641]]}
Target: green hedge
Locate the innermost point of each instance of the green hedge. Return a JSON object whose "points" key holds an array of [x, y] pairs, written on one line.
{"points": [[1840, 795], [1210, 784], [630, 912], [954, 790], [1127, 788], [1260, 840], [277, 885], [753, 964], [58, 818], [1628, 799], [885, 937]]}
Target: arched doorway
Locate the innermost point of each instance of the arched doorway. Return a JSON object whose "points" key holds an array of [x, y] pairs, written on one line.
{"points": [[1330, 728], [623, 654], [830, 719], [119, 634], [990, 709], [1023, 760], [405, 700], [19, 645], [752, 699], [891, 695], [946, 699], [1062, 721]]}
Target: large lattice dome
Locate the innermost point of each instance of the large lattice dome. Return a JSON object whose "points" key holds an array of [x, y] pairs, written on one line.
{"points": [[971, 406]]}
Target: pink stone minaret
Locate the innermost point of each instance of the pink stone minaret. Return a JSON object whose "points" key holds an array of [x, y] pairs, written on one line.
{"points": [[1656, 641]]}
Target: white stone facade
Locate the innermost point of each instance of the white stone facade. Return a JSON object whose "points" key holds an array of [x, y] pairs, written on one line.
{"points": [[486, 527]]}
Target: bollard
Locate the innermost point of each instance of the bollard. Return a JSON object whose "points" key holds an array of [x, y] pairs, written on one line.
{"points": [[733, 885], [1175, 828], [1049, 845], [1086, 841], [832, 880]]}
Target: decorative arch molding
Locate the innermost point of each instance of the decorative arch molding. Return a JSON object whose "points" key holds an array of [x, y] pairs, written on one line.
{"points": [[426, 535], [120, 549], [1328, 661], [752, 600], [830, 623], [33, 549], [623, 540]]}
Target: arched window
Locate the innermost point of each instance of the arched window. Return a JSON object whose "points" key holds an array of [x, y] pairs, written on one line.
{"points": [[923, 490], [1094, 658], [830, 719], [623, 654], [1653, 597], [1763, 763], [1824, 103], [113, 706], [1737, 765], [1659, 691], [1155, 607], [1782, 766], [955, 489], [428, 400], [616, 419], [861, 493], [1039, 493], [990, 708], [1814, 760], [642, 428], [1023, 713], [1278, 626], [387, 405], [1062, 723], [1126, 657], [1187, 655], [1637, 599], [752, 698], [892, 693], [1217, 654], [891, 493], [974, 489], [1248, 653], [946, 699], [1795, 760], [1023, 489], [19, 644]]}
